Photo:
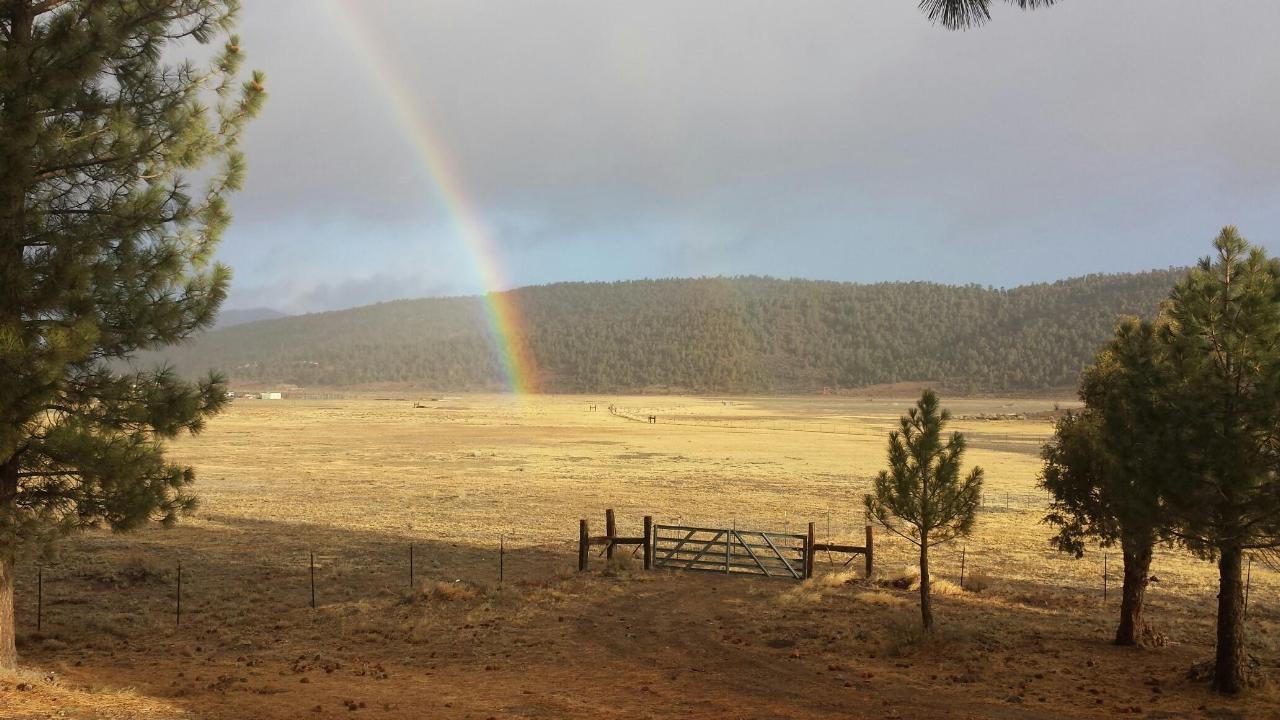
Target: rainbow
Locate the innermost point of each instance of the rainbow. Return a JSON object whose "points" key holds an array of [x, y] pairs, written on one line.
{"points": [[502, 311]]}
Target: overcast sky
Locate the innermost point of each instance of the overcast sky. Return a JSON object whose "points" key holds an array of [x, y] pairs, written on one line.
{"points": [[845, 140]]}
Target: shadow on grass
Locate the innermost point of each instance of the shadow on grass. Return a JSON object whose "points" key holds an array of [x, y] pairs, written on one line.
{"points": [[617, 642]]}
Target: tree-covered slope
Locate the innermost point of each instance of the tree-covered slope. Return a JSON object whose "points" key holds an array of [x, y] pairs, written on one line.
{"points": [[740, 334]]}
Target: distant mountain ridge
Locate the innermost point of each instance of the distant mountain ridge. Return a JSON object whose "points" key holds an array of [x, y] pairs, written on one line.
{"points": [[745, 334], [240, 316]]}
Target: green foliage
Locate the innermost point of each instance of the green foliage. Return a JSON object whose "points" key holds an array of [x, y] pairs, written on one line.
{"points": [[745, 334], [1221, 337], [1106, 466], [1181, 434], [106, 250], [922, 496], [1075, 472]]}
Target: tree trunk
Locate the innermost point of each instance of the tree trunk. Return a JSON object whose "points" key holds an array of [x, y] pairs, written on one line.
{"points": [[926, 608], [1137, 568], [16, 118], [8, 646], [8, 495], [1228, 669]]}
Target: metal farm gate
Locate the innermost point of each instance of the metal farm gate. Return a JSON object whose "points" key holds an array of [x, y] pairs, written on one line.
{"points": [[731, 551]]}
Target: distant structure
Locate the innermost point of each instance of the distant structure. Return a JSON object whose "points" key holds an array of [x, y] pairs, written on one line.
{"points": [[270, 396]]}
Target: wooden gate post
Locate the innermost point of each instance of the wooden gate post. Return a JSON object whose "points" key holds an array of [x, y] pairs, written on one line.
{"points": [[808, 553], [584, 545], [648, 542], [611, 530], [870, 551]]}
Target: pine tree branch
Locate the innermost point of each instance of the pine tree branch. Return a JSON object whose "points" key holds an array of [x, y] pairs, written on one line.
{"points": [[45, 6], [899, 533]]}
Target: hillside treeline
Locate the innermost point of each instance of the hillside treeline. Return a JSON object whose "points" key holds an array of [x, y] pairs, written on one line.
{"points": [[745, 334]]}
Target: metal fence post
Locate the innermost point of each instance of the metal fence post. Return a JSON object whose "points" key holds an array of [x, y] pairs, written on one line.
{"points": [[808, 553]]}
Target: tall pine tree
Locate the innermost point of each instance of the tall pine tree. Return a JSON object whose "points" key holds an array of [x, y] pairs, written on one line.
{"points": [[922, 496], [1106, 466], [1221, 339], [105, 250]]}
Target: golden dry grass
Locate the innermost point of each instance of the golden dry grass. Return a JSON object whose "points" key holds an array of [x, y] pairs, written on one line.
{"points": [[29, 694], [469, 469], [354, 482]]}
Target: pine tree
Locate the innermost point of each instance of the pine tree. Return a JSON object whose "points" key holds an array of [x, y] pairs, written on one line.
{"points": [[1106, 466], [922, 497], [105, 250], [962, 14], [1221, 338]]}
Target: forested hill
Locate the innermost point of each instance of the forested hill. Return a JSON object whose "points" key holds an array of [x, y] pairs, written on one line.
{"points": [[733, 335]]}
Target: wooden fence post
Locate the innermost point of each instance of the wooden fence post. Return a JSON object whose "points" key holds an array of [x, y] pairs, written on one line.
{"points": [[584, 545], [870, 551], [648, 542], [611, 530], [808, 553]]}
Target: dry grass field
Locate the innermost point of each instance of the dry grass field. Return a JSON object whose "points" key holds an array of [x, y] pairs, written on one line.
{"points": [[357, 481]]}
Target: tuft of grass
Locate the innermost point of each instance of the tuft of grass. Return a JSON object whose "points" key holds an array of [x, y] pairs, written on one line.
{"points": [[836, 579], [456, 591], [134, 567], [908, 578], [438, 591], [903, 578], [880, 598], [942, 588], [620, 565], [977, 582], [905, 634], [801, 595]]}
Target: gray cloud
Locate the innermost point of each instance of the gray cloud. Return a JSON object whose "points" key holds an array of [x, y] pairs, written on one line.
{"points": [[835, 139]]}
